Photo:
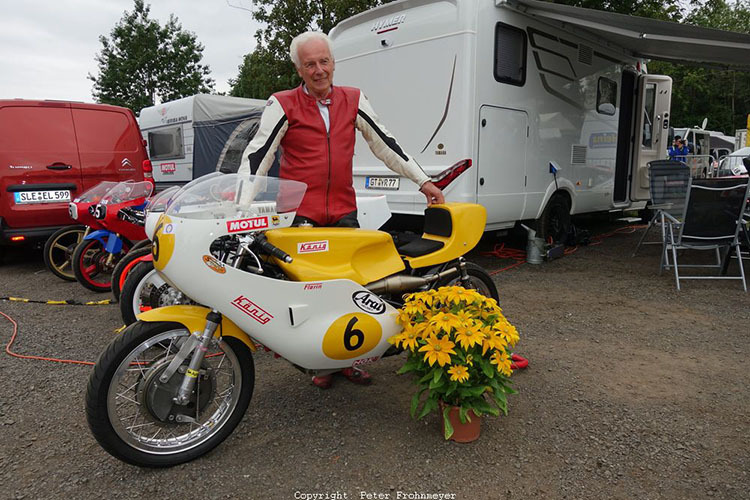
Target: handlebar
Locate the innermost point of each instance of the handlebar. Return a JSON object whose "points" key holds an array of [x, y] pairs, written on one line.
{"points": [[264, 244], [133, 216]]}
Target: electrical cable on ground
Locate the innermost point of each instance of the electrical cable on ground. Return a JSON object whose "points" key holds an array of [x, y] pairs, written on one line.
{"points": [[68, 302]]}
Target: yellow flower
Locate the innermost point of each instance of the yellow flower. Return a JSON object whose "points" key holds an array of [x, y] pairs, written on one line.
{"points": [[396, 339], [465, 316], [438, 349], [457, 294], [424, 329], [445, 321], [502, 360], [459, 373], [470, 360], [493, 340], [507, 331], [410, 335], [468, 336], [414, 307], [403, 318]]}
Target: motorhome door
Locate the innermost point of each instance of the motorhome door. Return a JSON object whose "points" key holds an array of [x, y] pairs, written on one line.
{"points": [[651, 130]]}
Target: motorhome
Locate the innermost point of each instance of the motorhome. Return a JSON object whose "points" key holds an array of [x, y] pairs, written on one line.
{"points": [[535, 110], [196, 135]]}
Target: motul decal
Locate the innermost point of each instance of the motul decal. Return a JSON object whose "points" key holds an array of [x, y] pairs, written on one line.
{"points": [[251, 309], [313, 286], [237, 226], [312, 246], [214, 264]]}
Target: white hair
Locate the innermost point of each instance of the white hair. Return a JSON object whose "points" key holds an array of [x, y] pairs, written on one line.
{"points": [[303, 38]]}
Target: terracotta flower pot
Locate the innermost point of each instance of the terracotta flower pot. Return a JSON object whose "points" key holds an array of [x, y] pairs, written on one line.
{"points": [[462, 433]]}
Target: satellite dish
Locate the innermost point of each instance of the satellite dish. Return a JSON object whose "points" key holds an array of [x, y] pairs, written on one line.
{"points": [[703, 125]]}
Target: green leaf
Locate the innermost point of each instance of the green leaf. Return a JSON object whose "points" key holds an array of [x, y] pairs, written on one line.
{"points": [[429, 405], [415, 402], [436, 385], [488, 370], [438, 374], [451, 387], [427, 376], [448, 428]]}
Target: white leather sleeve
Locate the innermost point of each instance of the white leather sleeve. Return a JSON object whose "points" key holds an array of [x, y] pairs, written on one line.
{"points": [[384, 146], [259, 154]]}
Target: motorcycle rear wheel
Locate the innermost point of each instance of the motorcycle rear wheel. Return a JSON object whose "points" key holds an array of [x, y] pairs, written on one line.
{"points": [[125, 265], [125, 397], [478, 279], [145, 289]]}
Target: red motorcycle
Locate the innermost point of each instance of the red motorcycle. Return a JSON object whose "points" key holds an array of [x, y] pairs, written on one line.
{"points": [[95, 257]]}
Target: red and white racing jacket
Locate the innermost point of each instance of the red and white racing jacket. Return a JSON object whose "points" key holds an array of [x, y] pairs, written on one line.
{"points": [[322, 158]]}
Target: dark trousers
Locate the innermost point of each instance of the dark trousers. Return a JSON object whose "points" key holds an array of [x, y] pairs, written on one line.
{"points": [[348, 220]]}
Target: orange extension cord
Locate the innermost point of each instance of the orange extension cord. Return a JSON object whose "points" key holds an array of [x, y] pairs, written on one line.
{"points": [[519, 256]]}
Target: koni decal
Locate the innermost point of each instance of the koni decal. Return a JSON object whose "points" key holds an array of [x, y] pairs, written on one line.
{"points": [[312, 246], [237, 226], [253, 310]]}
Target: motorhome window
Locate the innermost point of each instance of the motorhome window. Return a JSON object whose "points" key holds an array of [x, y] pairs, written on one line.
{"points": [[606, 96], [649, 104], [166, 143], [510, 54]]}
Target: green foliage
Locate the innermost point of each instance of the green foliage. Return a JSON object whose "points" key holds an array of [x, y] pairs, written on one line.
{"points": [[268, 68], [141, 60]]}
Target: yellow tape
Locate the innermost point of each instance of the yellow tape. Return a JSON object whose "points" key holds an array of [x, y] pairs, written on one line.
{"points": [[192, 373], [56, 302], [17, 299]]}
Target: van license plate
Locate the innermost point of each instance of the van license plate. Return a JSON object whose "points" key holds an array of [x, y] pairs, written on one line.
{"points": [[27, 197], [382, 182]]}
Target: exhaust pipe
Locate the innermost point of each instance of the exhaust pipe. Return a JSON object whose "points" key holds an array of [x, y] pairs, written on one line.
{"points": [[405, 283]]}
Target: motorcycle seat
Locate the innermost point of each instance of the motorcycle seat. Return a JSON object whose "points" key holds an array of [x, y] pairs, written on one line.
{"points": [[420, 246]]}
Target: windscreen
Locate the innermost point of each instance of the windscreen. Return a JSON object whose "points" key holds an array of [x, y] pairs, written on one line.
{"points": [[127, 191], [228, 195], [96, 193], [160, 201]]}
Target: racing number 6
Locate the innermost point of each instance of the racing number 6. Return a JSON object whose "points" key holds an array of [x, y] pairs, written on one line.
{"points": [[351, 336], [351, 332]]}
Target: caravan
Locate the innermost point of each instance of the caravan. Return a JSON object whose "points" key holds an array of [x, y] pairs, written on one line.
{"points": [[511, 102], [196, 135]]}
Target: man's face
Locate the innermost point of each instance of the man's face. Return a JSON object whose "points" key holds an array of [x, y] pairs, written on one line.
{"points": [[316, 67]]}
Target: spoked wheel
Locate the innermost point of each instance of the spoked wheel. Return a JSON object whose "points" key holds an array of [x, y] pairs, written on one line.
{"points": [[145, 289], [131, 412], [59, 248], [477, 279], [126, 264], [93, 265]]}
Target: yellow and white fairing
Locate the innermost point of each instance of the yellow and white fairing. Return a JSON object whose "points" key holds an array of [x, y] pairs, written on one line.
{"points": [[318, 325]]}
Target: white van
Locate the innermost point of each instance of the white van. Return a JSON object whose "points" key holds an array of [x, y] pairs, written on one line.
{"points": [[188, 137], [531, 120]]}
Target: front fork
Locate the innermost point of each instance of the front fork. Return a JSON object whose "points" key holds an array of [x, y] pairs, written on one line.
{"points": [[198, 346]]}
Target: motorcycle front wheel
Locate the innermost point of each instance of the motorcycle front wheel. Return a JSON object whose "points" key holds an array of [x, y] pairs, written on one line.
{"points": [[59, 248], [131, 413], [93, 265], [144, 289]]}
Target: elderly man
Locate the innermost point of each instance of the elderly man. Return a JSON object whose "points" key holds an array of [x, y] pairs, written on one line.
{"points": [[315, 126]]}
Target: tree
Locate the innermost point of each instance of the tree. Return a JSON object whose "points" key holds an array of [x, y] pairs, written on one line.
{"points": [[142, 61], [722, 96], [268, 68]]}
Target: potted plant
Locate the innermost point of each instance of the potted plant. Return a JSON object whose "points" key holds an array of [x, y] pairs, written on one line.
{"points": [[458, 346]]}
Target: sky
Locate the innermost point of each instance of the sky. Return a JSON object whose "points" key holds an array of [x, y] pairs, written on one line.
{"points": [[47, 47]]}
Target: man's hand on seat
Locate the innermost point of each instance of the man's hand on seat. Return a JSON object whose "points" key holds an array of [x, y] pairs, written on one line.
{"points": [[432, 193]]}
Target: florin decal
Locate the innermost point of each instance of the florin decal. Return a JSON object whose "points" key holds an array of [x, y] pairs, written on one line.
{"points": [[312, 246], [237, 226], [313, 286], [214, 264], [253, 310], [368, 302]]}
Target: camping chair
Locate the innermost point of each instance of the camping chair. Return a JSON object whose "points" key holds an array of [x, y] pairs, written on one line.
{"points": [[712, 220], [669, 181]]}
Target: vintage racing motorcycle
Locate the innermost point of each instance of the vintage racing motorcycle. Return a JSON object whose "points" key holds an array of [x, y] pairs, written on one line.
{"points": [[177, 382]]}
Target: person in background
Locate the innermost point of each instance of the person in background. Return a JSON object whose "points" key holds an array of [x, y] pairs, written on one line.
{"points": [[677, 150], [314, 124]]}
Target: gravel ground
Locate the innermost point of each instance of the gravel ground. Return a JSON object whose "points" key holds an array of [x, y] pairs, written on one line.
{"points": [[634, 390]]}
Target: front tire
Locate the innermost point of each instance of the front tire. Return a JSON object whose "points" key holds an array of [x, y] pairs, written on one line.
{"points": [[145, 289], [92, 265], [131, 413], [478, 279], [59, 248], [555, 222], [125, 265]]}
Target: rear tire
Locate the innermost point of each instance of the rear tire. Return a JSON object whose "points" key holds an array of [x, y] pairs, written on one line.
{"points": [[131, 414], [555, 222], [59, 248], [134, 254], [478, 279]]}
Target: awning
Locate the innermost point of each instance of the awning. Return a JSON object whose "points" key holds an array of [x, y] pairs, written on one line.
{"points": [[647, 38]]}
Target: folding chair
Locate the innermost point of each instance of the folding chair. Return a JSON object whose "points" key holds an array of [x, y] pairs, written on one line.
{"points": [[712, 220], [669, 182]]}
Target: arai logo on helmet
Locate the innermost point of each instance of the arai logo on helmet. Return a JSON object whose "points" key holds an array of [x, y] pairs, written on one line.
{"points": [[388, 22], [368, 302]]}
